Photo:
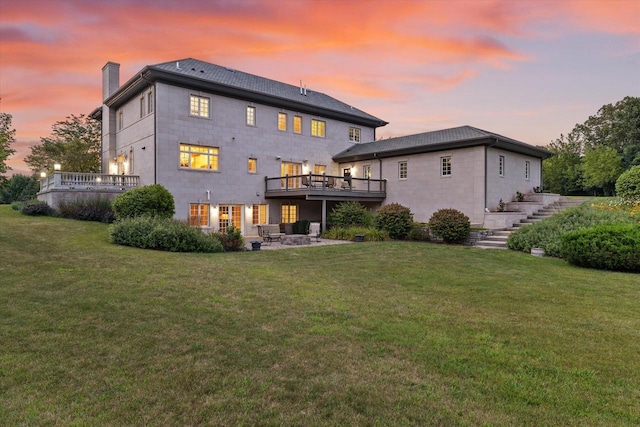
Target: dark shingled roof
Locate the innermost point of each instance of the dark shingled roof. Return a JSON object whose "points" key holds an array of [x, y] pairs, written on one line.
{"points": [[446, 139], [226, 81]]}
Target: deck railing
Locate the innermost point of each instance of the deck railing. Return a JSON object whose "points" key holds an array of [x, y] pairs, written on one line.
{"points": [[76, 180], [315, 183]]}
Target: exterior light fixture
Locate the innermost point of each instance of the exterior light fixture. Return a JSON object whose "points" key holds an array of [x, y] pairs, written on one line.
{"points": [[43, 174], [57, 166]]}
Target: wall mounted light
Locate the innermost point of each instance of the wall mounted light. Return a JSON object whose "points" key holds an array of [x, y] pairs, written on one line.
{"points": [[208, 194], [278, 157]]}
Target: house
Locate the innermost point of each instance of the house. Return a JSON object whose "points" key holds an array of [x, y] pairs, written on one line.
{"points": [[235, 148]]}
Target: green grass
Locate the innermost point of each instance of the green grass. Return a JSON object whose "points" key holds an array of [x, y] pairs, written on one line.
{"points": [[389, 333]]}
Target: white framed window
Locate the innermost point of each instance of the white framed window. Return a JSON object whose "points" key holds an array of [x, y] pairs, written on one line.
{"points": [[120, 120], [252, 165], [198, 157], [150, 104], [251, 116], [142, 106], [527, 170], [282, 121], [366, 172], [230, 215], [297, 124], [402, 170], [501, 166], [289, 213], [259, 214], [354, 134], [199, 106], [318, 128], [445, 166], [199, 214]]}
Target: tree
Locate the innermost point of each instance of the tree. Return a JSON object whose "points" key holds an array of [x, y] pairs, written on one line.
{"points": [[74, 144], [7, 137], [19, 188], [562, 173], [602, 166]]}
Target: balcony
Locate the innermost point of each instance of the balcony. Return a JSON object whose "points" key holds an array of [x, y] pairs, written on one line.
{"points": [[88, 181], [325, 187]]}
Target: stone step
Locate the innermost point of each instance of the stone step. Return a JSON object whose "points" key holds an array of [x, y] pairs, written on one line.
{"points": [[491, 244], [489, 247], [495, 238], [502, 233]]}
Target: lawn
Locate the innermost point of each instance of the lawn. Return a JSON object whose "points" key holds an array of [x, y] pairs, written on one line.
{"points": [[391, 333]]}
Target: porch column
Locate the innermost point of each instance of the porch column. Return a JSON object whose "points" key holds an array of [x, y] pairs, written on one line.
{"points": [[324, 214]]}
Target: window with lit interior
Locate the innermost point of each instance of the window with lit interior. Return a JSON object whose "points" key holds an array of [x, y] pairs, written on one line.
{"points": [[259, 214], [282, 121], [289, 213], [318, 128], [297, 124], [252, 165], [198, 157], [251, 116], [199, 106], [199, 215]]}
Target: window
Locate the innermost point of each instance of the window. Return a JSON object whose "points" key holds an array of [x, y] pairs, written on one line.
{"points": [[120, 120], [142, 105], [354, 135], [150, 102], [319, 169], [402, 170], [282, 121], [199, 215], [251, 116], [501, 166], [259, 214], [366, 171], [199, 106], [297, 124], [289, 213], [318, 128], [198, 157], [527, 170], [230, 215], [291, 169], [252, 165], [445, 163], [131, 160]]}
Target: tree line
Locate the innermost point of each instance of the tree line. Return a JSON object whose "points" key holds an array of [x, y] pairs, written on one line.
{"points": [[590, 158]]}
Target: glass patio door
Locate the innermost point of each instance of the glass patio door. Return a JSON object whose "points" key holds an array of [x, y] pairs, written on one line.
{"points": [[288, 168]]}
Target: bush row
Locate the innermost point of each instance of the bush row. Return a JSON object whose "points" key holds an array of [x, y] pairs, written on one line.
{"points": [[349, 233], [166, 234], [87, 210]]}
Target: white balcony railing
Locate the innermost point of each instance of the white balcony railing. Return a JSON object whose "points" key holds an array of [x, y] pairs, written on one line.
{"points": [[86, 181]]}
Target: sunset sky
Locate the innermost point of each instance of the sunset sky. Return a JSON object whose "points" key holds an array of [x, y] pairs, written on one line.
{"points": [[529, 70]]}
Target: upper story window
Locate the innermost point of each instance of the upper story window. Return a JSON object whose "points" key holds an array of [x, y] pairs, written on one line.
{"points": [[120, 120], [150, 102], [199, 215], [354, 135], [297, 124], [501, 166], [402, 170], [198, 157], [282, 121], [142, 106], [199, 106], [527, 170], [319, 169], [366, 172], [252, 165], [251, 116], [318, 128], [445, 166]]}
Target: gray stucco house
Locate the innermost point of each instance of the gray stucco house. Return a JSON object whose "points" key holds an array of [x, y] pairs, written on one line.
{"points": [[235, 148]]}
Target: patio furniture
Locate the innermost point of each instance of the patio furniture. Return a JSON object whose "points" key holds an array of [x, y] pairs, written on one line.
{"points": [[271, 232], [331, 182], [314, 230]]}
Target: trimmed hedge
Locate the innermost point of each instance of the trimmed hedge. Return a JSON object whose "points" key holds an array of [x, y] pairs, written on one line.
{"points": [[87, 210], [150, 200], [628, 184], [349, 233], [394, 219], [450, 225], [605, 247], [163, 234]]}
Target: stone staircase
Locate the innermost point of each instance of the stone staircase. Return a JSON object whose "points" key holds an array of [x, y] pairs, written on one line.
{"points": [[497, 239]]}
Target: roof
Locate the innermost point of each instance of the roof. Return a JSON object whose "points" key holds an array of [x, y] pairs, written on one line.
{"points": [[226, 81], [446, 139]]}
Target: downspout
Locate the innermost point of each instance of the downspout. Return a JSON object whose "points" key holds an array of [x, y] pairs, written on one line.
{"points": [[155, 135], [486, 171]]}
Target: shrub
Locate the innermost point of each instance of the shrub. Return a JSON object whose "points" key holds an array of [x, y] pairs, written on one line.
{"points": [[36, 208], [17, 206], [419, 233], [350, 214], [548, 233], [395, 219], [87, 210], [606, 247], [628, 184], [519, 197], [231, 239], [164, 234], [301, 227], [151, 200], [19, 188], [349, 233], [450, 225]]}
